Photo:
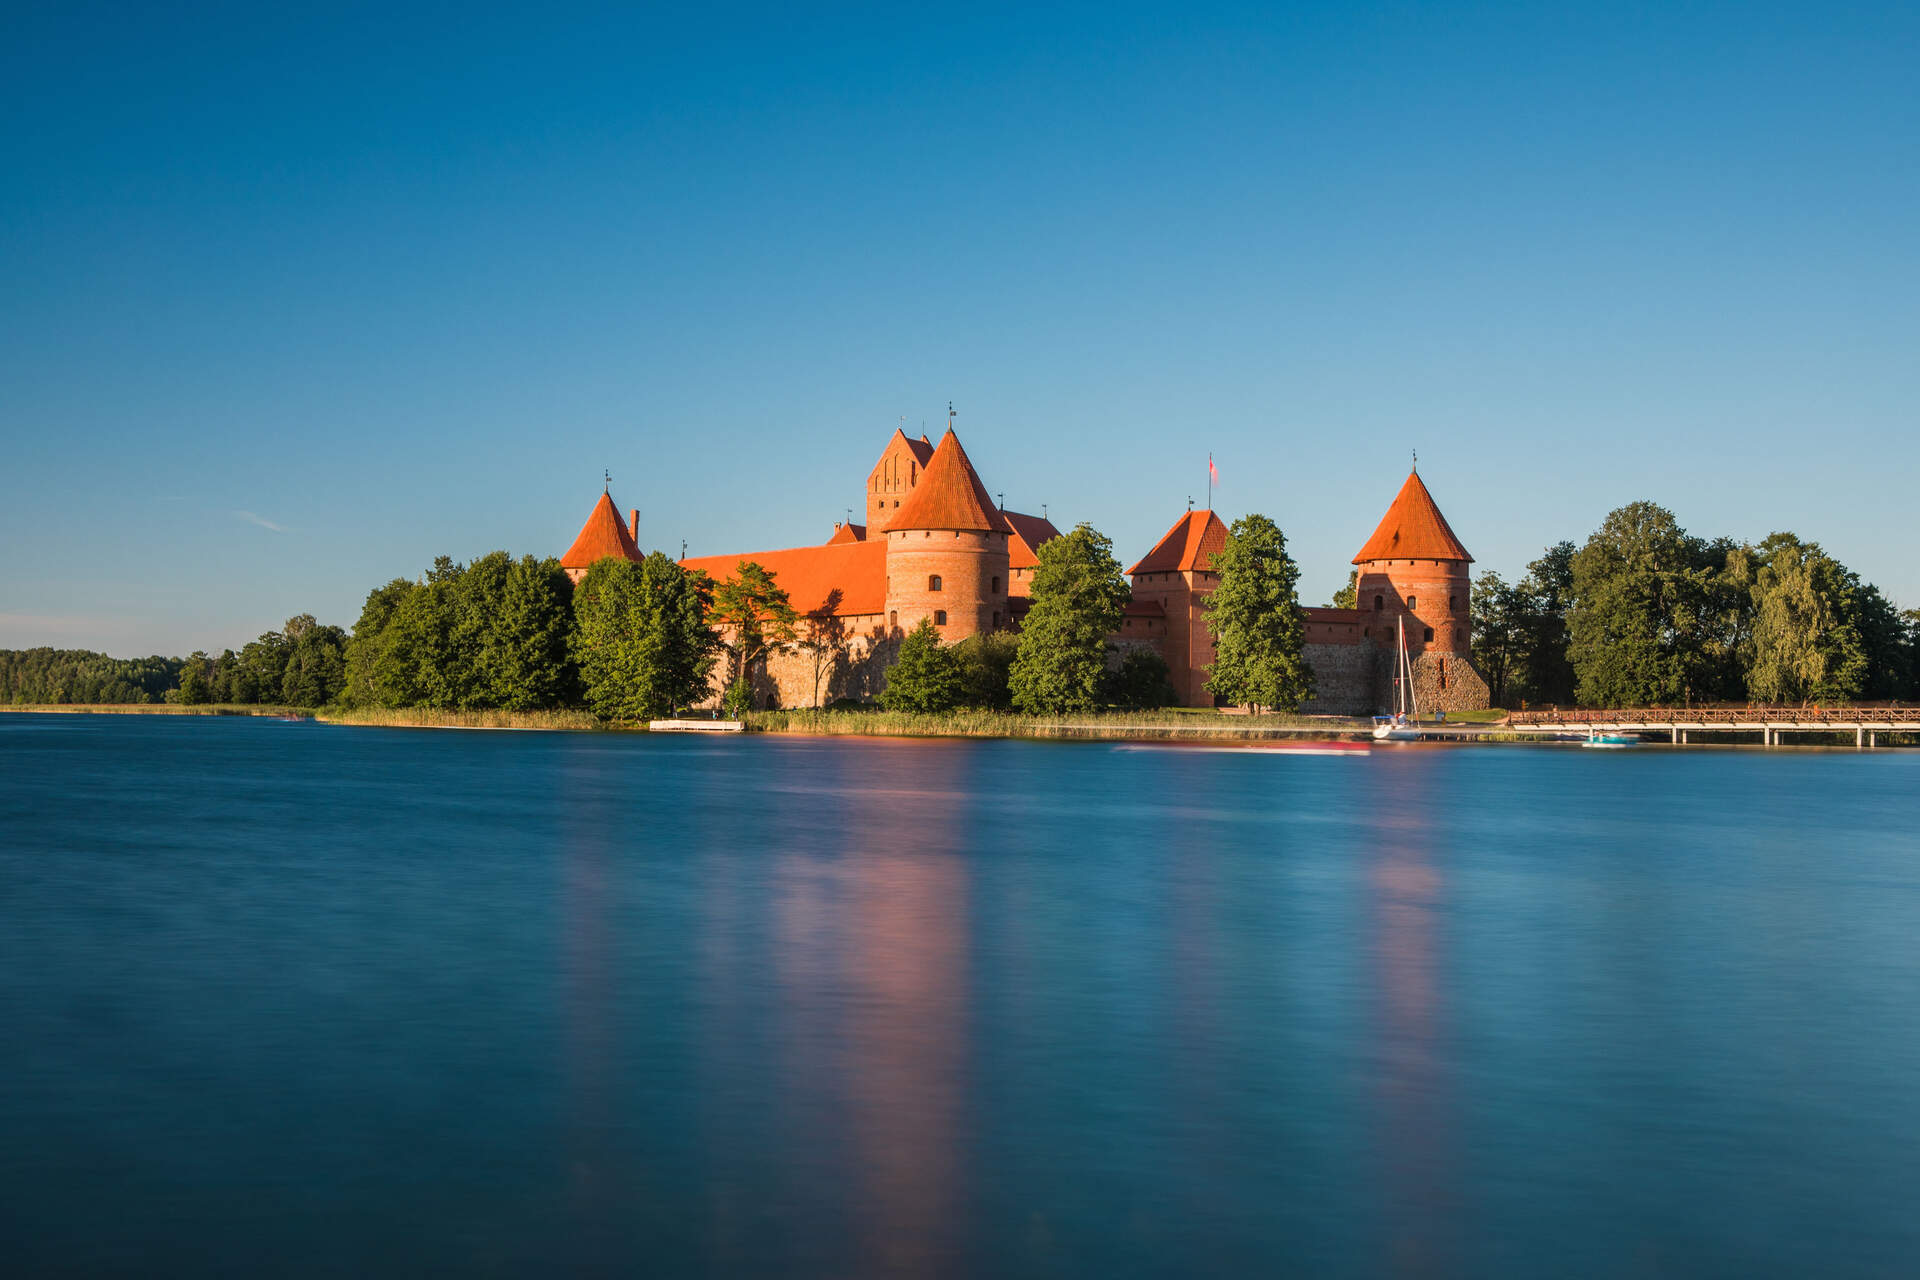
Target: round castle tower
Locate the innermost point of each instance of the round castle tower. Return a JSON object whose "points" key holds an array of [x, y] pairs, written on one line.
{"points": [[1414, 572], [947, 551]]}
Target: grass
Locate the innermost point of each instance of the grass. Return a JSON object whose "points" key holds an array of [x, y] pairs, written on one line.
{"points": [[1172, 723], [159, 709], [431, 718]]}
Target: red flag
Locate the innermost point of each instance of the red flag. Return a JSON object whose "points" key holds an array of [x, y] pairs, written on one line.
{"points": [[1213, 472]]}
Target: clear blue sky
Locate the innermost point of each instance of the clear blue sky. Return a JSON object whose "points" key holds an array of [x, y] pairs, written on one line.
{"points": [[293, 301]]}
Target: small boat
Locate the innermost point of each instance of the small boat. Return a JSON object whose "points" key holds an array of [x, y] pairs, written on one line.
{"points": [[1611, 741], [1403, 724]]}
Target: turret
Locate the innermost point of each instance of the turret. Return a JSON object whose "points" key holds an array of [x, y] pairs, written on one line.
{"points": [[947, 550], [1414, 570], [600, 537]]}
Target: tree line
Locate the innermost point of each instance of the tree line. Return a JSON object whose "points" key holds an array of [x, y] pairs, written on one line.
{"points": [[1645, 613]]}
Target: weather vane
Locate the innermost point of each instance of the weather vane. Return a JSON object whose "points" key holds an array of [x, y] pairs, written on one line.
{"points": [[609, 481], [949, 415]]}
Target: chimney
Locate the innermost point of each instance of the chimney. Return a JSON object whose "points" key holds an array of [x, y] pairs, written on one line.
{"points": [[633, 526]]}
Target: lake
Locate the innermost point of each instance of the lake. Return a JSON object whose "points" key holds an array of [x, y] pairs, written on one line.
{"points": [[286, 998]]}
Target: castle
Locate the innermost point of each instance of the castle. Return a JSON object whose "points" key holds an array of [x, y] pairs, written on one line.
{"points": [[937, 546]]}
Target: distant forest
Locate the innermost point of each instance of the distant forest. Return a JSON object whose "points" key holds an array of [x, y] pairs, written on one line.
{"points": [[1641, 614]]}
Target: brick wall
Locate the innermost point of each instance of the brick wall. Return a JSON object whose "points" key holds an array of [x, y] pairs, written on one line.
{"points": [[972, 569]]}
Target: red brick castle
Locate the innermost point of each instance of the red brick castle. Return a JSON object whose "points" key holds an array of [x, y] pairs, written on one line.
{"points": [[936, 545]]}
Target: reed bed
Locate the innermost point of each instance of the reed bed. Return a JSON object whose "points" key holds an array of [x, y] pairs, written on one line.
{"points": [[433, 718]]}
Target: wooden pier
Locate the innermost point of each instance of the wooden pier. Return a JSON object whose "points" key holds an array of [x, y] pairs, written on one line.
{"points": [[1866, 723]]}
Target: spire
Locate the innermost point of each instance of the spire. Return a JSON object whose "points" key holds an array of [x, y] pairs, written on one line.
{"points": [[603, 535], [1413, 529], [949, 495]]}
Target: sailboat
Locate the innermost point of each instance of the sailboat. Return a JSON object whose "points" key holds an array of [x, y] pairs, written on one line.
{"points": [[1401, 725]]}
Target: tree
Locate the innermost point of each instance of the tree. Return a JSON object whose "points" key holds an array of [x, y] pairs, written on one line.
{"points": [[823, 638], [1079, 597], [1141, 682], [1259, 632], [1500, 615], [1805, 641], [316, 667], [641, 637], [525, 663], [986, 662], [1347, 597], [1545, 674], [369, 640], [1640, 605], [758, 610], [925, 676], [196, 685]]}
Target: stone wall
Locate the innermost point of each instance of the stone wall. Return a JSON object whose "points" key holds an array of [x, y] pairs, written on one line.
{"points": [[1448, 682], [1344, 676], [856, 668]]}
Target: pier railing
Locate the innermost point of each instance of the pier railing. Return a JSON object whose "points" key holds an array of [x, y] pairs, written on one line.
{"points": [[1862, 720]]}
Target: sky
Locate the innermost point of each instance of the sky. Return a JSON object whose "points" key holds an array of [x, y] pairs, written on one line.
{"points": [[294, 299]]}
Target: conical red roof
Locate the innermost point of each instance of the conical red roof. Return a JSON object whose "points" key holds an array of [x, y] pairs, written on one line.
{"points": [[601, 536], [1194, 540], [949, 495], [1413, 529]]}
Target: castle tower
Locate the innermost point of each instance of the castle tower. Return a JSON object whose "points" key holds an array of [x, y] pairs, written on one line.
{"points": [[1177, 576], [601, 536], [894, 478], [947, 550], [1413, 570]]}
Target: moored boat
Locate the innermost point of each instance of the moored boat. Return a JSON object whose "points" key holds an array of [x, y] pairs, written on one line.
{"points": [[1611, 741]]}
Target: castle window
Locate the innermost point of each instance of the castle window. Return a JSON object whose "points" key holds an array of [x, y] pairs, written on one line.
{"points": [[1379, 603], [996, 619], [1443, 673], [1429, 633], [893, 619], [996, 586], [933, 582], [939, 617], [1413, 602], [1453, 604]]}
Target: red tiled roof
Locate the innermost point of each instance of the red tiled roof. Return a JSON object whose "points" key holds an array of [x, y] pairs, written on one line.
{"points": [[1194, 540], [949, 495], [922, 448], [847, 533], [1029, 532], [601, 536], [809, 575], [1413, 529]]}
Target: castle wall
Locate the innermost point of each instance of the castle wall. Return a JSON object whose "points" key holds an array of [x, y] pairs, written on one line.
{"points": [[854, 667], [1426, 593], [1343, 678]]}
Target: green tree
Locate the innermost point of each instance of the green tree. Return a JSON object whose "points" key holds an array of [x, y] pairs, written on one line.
{"points": [[369, 643], [822, 637], [1141, 682], [1545, 674], [1500, 615], [196, 685], [316, 667], [757, 610], [1348, 597], [1079, 597], [525, 663], [641, 637], [1641, 601], [1258, 629], [925, 676], [1805, 641], [986, 663]]}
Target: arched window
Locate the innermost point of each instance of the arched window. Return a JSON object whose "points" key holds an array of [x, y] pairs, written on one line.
{"points": [[893, 619], [939, 617], [1379, 603], [933, 582], [1413, 602], [1429, 633]]}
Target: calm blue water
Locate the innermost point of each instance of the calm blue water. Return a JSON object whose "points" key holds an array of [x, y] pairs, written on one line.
{"points": [[291, 999]]}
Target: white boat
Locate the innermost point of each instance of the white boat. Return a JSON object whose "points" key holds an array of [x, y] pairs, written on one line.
{"points": [[1403, 724]]}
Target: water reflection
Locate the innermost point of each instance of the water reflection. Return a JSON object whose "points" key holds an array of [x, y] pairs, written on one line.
{"points": [[1416, 1119]]}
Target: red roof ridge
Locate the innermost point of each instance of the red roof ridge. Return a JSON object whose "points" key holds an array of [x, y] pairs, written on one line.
{"points": [[1413, 529], [603, 535], [949, 495], [1191, 544], [810, 575]]}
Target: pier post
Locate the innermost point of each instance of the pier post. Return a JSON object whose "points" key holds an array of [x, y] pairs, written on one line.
{"points": [[1859, 738], [1683, 737], [1676, 737], [1871, 739]]}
